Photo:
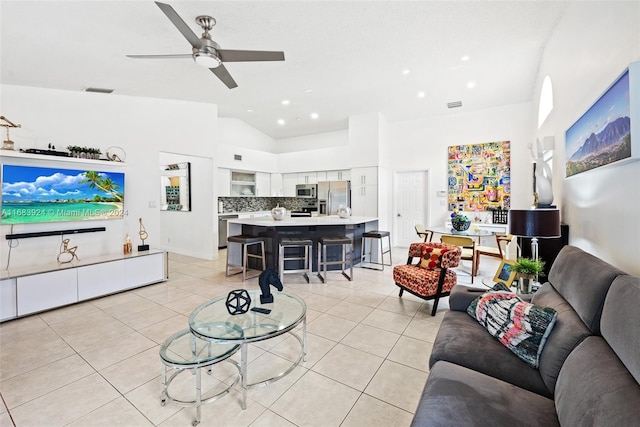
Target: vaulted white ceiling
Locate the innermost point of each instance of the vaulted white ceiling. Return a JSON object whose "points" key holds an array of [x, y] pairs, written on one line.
{"points": [[342, 57]]}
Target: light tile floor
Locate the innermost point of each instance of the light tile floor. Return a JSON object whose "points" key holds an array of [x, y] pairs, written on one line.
{"points": [[96, 363]]}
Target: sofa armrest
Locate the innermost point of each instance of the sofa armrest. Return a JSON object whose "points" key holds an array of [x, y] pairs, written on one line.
{"points": [[461, 296]]}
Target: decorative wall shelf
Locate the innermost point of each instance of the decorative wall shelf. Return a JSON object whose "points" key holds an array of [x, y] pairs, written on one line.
{"points": [[18, 155]]}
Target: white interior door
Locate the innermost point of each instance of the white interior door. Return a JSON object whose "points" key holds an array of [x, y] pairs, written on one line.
{"points": [[411, 201]]}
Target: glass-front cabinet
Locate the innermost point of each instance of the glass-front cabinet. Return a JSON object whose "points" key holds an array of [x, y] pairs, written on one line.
{"points": [[243, 183]]}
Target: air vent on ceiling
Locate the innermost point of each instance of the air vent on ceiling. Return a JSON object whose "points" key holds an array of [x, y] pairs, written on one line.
{"points": [[455, 104], [237, 157], [98, 90]]}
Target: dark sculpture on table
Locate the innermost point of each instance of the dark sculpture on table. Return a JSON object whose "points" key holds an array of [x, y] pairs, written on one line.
{"points": [[268, 277], [238, 301]]}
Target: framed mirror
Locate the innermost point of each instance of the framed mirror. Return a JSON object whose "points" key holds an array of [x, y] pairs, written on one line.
{"points": [[175, 192]]}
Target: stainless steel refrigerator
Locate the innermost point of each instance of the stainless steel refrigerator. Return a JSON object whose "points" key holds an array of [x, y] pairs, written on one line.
{"points": [[332, 195]]}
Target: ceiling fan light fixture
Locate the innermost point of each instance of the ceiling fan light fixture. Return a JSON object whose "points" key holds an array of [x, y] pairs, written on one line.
{"points": [[206, 60]]}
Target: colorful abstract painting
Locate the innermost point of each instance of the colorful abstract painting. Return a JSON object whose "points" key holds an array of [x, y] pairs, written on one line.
{"points": [[479, 176]]}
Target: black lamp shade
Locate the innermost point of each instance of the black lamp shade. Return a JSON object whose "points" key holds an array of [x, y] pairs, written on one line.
{"points": [[534, 222]]}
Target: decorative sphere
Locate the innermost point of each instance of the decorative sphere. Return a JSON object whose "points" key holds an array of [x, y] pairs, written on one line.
{"points": [[278, 213], [238, 301]]}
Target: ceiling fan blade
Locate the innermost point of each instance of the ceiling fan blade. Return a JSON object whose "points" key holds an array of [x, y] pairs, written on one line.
{"points": [[223, 74], [180, 25], [177, 56], [231, 55]]}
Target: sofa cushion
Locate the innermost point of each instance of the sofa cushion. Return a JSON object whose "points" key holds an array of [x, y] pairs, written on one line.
{"points": [[621, 322], [520, 326], [595, 389], [567, 333], [457, 396], [583, 280], [461, 340]]}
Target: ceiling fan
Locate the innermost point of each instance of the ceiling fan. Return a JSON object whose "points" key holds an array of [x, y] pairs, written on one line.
{"points": [[207, 52]]}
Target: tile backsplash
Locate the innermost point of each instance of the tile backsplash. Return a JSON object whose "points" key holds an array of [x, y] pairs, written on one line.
{"points": [[254, 204]]}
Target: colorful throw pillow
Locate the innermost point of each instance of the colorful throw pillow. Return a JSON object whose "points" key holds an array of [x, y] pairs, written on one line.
{"points": [[431, 257], [520, 326]]}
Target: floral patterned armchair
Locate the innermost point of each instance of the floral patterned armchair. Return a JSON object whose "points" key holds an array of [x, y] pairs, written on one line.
{"points": [[432, 276]]}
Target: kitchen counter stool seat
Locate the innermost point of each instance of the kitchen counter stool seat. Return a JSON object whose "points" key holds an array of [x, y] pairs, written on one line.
{"points": [[246, 242], [346, 259], [378, 235], [294, 243]]}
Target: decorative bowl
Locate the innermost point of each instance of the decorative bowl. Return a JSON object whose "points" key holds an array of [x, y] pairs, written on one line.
{"points": [[460, 225]]}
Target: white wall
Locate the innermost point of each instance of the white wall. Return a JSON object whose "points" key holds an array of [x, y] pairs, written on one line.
{"points": [[142, 127], [422, 145], [339, 138], [601, 206]]}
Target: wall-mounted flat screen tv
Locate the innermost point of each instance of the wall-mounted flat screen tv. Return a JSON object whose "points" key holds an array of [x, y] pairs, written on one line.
{"points": [[36, 194]]}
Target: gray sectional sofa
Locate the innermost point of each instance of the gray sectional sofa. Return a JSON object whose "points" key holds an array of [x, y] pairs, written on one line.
{"points": [[589, 370]]}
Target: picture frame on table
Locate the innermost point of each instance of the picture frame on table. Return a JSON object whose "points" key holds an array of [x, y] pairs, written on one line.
{"points": [[503, 275]]}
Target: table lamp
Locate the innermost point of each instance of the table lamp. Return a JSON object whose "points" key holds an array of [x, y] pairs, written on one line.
{"points": [[534, 223]]}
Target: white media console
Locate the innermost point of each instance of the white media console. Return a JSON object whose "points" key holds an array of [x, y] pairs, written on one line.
{"points": [[30, 290]]}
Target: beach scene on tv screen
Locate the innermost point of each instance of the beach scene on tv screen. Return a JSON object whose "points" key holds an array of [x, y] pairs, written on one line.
{"points": [[37, 194]]}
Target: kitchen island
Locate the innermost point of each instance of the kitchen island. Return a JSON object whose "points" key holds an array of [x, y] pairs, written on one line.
{"points": [[311, 228]]}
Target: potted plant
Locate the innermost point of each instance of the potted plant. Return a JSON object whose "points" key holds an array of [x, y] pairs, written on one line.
{"points": [[527, 270]]}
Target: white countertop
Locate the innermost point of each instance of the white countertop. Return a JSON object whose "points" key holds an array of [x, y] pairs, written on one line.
{"points": [[303, 221]]}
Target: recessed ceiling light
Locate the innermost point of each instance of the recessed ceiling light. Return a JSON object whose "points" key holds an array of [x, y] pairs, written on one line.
{"points": [[285, 102], [421, 94], [465, 58], [281, 122], [308, 90], [471, 85], [314, 115], [249, 110], [405, 71]]}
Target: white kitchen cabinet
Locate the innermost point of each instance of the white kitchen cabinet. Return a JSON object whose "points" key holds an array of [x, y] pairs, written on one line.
{"points": [[277, 188], [8, 309], [263, 184], [339, 175], [364, 191], [321, 176], [289, 182], [47, 290], [364, 176], [364, 200], [100, 279], [224, 182], [307, 178], [243, 183]]}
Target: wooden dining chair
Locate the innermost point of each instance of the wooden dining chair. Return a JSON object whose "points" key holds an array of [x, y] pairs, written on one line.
{"points": [[468, 246], [498, 251], [423, 233]]}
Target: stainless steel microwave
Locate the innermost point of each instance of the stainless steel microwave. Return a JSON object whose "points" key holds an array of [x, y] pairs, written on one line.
{"points": [[307, 191]]}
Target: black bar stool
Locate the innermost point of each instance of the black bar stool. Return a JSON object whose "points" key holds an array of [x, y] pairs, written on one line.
{"points": [[343, 241], [379, 235], [294, 243], [245, 242]]}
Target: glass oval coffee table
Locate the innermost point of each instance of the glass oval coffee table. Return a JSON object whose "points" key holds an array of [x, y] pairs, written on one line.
{"points": [[211, 321]]}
